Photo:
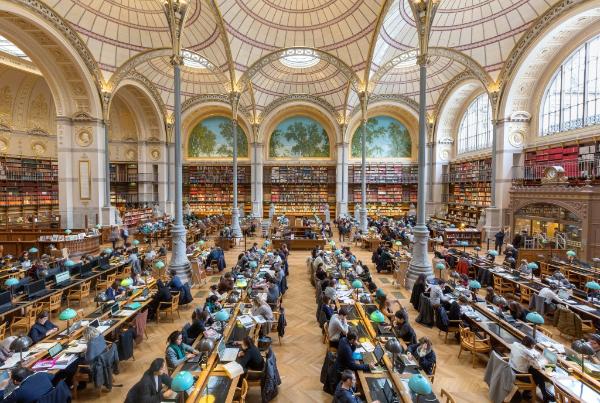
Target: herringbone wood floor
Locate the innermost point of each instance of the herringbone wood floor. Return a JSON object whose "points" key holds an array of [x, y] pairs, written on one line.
{"points": [[301, 354]]}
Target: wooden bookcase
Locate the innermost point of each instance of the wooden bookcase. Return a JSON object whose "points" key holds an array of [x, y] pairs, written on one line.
{"points": [[468, 190], [452, 237], [134, 217], [391, 188], [28, 187], [299, 190], [209, 189], [124, 184]]}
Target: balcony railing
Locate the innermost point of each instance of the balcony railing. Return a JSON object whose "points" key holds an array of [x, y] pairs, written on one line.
{"points": [[464, 177], [577, 172]]}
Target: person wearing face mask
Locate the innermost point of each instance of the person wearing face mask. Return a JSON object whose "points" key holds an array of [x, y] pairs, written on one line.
{"points": [[345, 391], [423, 354]]}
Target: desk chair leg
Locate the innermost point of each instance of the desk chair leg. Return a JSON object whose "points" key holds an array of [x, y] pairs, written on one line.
{"points": [[460, 351]]}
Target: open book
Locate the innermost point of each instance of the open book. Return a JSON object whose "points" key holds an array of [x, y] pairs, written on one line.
{"points": [[233, 369]]}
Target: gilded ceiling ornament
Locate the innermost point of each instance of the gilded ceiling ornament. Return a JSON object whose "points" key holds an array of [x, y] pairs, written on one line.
{"points": [[84, 136]]}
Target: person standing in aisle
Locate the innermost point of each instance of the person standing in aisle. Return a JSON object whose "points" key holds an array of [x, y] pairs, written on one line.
{"points": [[499, 240]]}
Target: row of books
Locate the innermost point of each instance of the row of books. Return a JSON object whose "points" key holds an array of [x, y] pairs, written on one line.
{"points": [[299, 174], [384, 173], [196, 174]]}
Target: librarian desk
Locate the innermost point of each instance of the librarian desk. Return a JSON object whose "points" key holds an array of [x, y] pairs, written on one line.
{"points": [[504, 334], [77, 247]]}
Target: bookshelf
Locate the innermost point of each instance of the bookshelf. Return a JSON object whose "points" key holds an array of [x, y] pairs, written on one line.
{"points": [[299, 190], [452, 237], [468, 190], [28, 186], [123, 184], [209, 189], [391, 188], [135, 217]]}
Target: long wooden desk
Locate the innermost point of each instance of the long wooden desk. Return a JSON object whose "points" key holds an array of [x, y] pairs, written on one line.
{"points": [[298, 243]]}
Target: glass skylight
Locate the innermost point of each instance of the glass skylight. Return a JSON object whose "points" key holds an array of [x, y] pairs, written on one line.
{"points": [[7, 46], [193, 60], [299, 61]]}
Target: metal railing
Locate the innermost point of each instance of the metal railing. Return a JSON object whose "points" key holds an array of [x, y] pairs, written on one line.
{"points": [[580, 170], [465, 177]]}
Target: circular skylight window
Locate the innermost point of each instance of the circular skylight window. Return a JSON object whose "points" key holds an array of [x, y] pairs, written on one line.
{"points": [[299, 58], [194, 60]]}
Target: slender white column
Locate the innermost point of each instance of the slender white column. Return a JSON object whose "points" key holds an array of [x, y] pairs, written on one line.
{"points": [[363, 154], [235, 211]]}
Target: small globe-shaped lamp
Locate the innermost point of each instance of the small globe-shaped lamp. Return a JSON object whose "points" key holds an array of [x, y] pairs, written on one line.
{"points": [[201, 242], [11, 281], [571, 253], [532, 265], [592, 285], [440, 266], [332, 242], [108, 251], [535, 318], [253, 264], [98, 226], [182, 381], [380, 293], [68, 231], [464, 243], [356, 284], [377, 316], [33, 250], [398, 243], [222, 316], [346, 265], [474, 285], [419, 384], [126, 282], [267, 242], [492, 252], [159, 264], [338, 252], [206, 345], [261, 252], [477, 248], [393, 346], [68, 314], [136, 242], [69, 263]]}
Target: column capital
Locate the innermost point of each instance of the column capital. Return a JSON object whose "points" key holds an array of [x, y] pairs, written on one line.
{"points": [[176, 12], [234, 99], [176, 60]]}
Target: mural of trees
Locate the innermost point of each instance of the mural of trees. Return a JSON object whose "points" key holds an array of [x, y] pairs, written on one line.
{"points": [[213, 137], [386, 138], [299, 137]]}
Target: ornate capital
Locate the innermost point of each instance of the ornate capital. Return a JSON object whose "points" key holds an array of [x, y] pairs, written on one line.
{"points": [[423, 12], [106, 96], [176, 60], [234, 99], [175, 11], [364, 100]]}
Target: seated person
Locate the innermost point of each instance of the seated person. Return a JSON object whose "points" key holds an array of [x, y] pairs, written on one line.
{"points": [[214, 291], [29, 386], [115, 291], [260, 307], [424, 355], [436, 292], [162, 295], [5, 352], [137, 280], [175, 284], [338, 326], [525, 359], [517, 311], [226, 283], [403, 329], [42, 327], [149, 388], [490, 295], [96, 344], [249, 356], [200, 320], [594, 342], [212, 304], [524, 269], [345, 350], [550, 297], [273, 291], [326, 308], [345, 392], [177, 351]]}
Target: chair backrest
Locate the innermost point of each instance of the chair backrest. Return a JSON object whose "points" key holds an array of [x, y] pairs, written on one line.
{"points": [[448, 396], [85, 288], [56, 299], [2, 330], [175, 300], [244, 390], [497, 281], [562, 396]]}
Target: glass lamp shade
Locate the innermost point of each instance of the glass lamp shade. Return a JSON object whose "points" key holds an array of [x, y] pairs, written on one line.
{"points": [[419, 384], [581, 347], [126, 282], [68, 231], [108, 251], [440, 266], [571, 253], [136, 242], [532, 265], [474, 284], [159, 264], [356, 284], [67, 314], [338, 252], [492, 252], [464, 243], [21, 344], [380, 293], [535, 318], [261, 252], [222, 316], [510, 259], [332, 242], [346, 265], [592, 285], [33, 250], [393, 346], [98, 226], [206, 345], [253, 264], [477, 248], [69, 263], [398, 243], [377, 316], [182, 381], [267, 242], [11, 282], [200, 242], [269, 254]]}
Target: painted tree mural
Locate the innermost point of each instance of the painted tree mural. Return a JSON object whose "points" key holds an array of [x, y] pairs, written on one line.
{"points": [[299, 137], [386, 138], [213, 137]]}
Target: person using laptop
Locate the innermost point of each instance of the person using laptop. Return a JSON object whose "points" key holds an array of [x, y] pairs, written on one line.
{"points": [[338, 326], [345, 354], [115, 291], [249, 356], [200, 320], [261, 308], [149, 388], [29, 386], [42, 327], [177, 351], [95, 342], [423, 353], [403, 328], [345, 392]]}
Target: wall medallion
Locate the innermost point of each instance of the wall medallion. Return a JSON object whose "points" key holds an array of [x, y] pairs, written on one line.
{"points": [[155, 154], [84, 138]]}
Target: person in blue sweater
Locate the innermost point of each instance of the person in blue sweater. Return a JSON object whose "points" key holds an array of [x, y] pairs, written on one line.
{"points": [[30, 386], [423, 353], [42, 327], [345, 392], [115, 291], [175, 284], [346, 348]]}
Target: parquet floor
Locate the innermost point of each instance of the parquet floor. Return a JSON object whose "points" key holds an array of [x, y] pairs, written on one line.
{"points": [[301, 354]]}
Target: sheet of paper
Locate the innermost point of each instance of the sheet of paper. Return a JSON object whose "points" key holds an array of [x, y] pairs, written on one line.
{"points": [[368, 346], [233, 369]]}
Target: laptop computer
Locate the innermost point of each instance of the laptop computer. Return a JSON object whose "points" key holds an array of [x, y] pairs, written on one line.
{"points": [[144, 296], [36, 289], [86, 271], [55, 350], [104, 263], [115, 310], [101, 328], [75, 269], [227, 354], [5, 301], [62, 279]]}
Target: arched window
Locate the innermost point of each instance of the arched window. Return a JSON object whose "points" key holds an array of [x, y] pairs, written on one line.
{"points": [[475, 130], [572, 99]]}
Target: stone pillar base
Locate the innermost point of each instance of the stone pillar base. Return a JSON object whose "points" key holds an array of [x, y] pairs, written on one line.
{"points": [[363, 220], [179, 261], [420, 263], [236, 230], [342, 209]]}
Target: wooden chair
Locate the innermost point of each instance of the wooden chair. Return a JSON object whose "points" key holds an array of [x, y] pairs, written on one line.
{"points": [[448, 396], [169, 308], [470, 342], [2, 330], [102, 285], [562, 396], [275, 324], [79, 294], [523, 382], [545, 331], [25, 322], [241, 392], [500, 287], [432, 376], [525, 294], [453, 327], [198, 273], [53, 304]]}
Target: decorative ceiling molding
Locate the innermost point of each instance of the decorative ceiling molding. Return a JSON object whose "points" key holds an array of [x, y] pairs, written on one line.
{"points": [[450, 87], [49, 15], [219, 98], [155, 94], [19, 63], [299, 98], [410, 103], [378, 25]]}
